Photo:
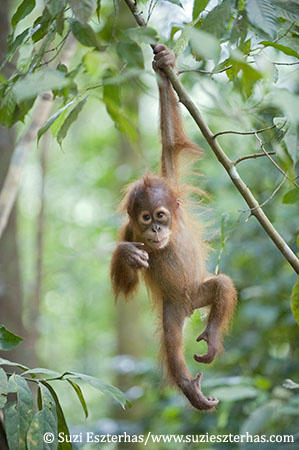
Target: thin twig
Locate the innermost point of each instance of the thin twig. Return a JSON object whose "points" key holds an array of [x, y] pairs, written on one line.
{"points": [[151, 8], [285, 63], [244, 133], [223, 158], [253, 156], [272, 160], [272, 195], [207, 72]]}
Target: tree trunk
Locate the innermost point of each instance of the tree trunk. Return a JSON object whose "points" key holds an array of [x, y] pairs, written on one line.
{"points": [[10, 282]]}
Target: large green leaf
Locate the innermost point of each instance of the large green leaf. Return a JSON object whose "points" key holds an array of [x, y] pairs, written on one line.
{"points": [[11, 425], [62, 425], [291, 196], [24, 407], [287, 9], [198, 7], [106, 388], [295, 301], [130, 53], [7, 108], [8, 340], [52, 119], [44, 423], [41, 372], [262, 15], [79, 393], [85, 34], [70, 119], [83, 9], [249, 77], [23, 10], [6, 362], [145, 35], [55, 6], [217, 20], [39, 82], [282, 48], [204, 45]]}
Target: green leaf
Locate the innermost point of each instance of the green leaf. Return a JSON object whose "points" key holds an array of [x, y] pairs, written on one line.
{"points": [[105, 388], [131, 53], [13, 46], [295, 301], [3, 382], [249, 77], [8, 340], [24, 407], [11, 425], [198, 7], [80, 396], [176, 2], [62, 426], [23, 10], [7, 109], [44, 421], [70, 119], [217, 20], [282, 48], [261, 15], [39, 82], [55, 6], [3, 388], [83, 9], [287, 9], [204, 45], [41, 25], [235, 393], [6, 362], [21, 109], [291, 197], [3, 401], [42, 372], [60, 23], [52, 119], [144, 35], [85, 34]]}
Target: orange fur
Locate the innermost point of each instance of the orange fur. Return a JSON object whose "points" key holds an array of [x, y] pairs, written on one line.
{"points": [[175, 274]]}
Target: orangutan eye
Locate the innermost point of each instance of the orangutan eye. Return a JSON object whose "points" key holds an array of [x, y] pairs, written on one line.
{"points": [[160, 215], [146, 217]]}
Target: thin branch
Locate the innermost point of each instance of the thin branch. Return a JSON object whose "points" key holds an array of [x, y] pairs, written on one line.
{"points": [[272, 195], [223, 158], [244, 133], [207, 72], [272, 160], [151, 8], [285, 63], [253, 156]]}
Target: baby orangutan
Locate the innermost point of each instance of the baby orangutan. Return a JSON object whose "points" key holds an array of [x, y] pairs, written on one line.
{"points": [[160, 242]]}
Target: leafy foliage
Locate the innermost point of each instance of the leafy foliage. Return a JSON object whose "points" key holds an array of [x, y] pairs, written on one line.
{"points": [[112, 64], [26, 428]]}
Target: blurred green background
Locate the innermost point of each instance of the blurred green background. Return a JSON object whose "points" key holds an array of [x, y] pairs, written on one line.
{"points": [[79, 328]]}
